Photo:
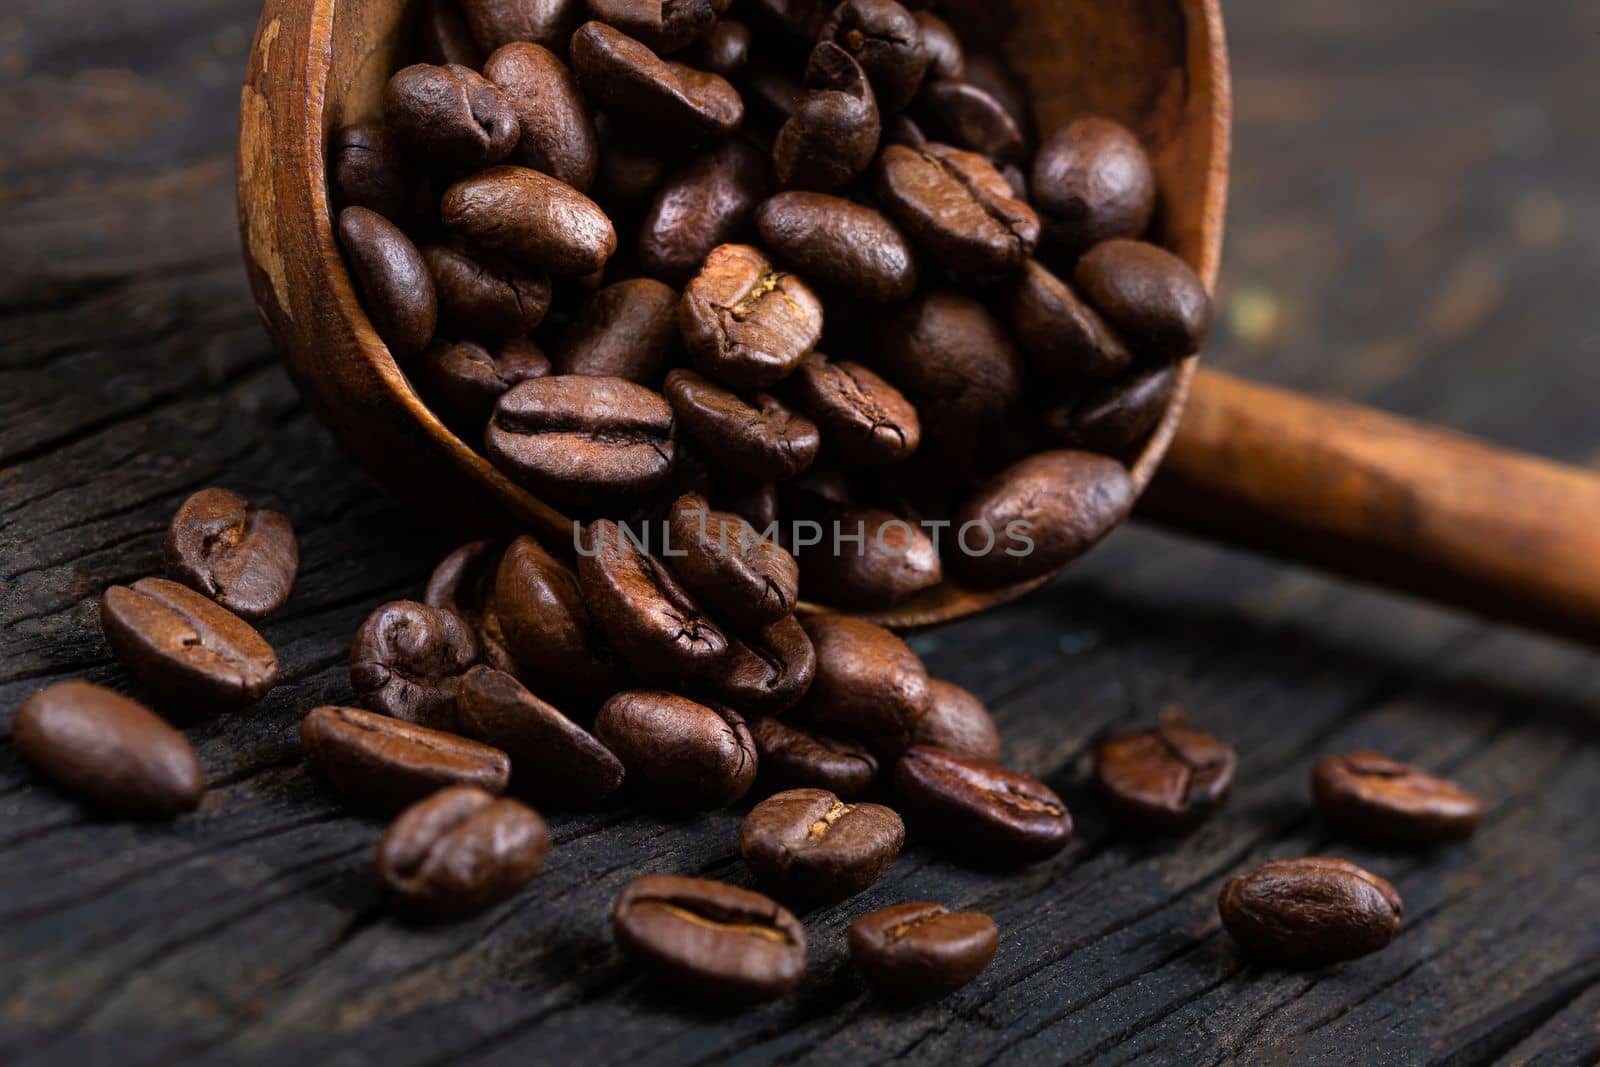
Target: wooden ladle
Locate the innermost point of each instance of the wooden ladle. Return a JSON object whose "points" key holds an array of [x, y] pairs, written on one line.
{"points": [[1354, 491]]}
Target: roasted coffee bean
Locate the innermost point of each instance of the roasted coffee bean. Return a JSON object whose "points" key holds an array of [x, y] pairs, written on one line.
{"points": [[1309, 912], [1092, 182], [947, 60], [725, 50], [879, 561], [443, 37], [243, 557], [770, 93], [651, 620], [1149, 295], [367, 169], [110, 751], [808, 845], [630, 170], [1114, 415], [1036, 517], [754, 502], [902, 130], [496, 23], [530, 218], [1062, 335], [450, 117], [855, 249], [483, 302], [766, 672], [663, 25], [833, 134], [393, 280], [869, 683], [817, 494], [801, 19], [553, 759], [887, 42], [547, 627], [1168, 779], [184, 648], [962, 114], [921, 950], [958, 208], [557, 134], [577, 437], [715, 943], [462, 380], [865, 420], [917, 490], [407, 660], [706, 202], [626, 330], [464, 584], [792, 758], [989, 72], [742, 577], [658, 100], [958, 722], [979, 808], [1368, 795], [746, 323], [680, 755], [460, 851], [383, 764], [756, 438]]}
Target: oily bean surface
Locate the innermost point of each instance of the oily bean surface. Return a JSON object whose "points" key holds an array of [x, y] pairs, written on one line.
{"points": [[1168, 779], [868, 682], [243, 557], [556, 132], [766, 672], [496, 23], [1092, 182], [724, 50], [863, 418], [662, 25], [1114, 415], [680, 755], [1368, 795], [451, 117], [746, 580], [946, 58], [462, 380], [460, 851], [1152, 298], [488, 303], [1060, 333], [1310, 912], [833, 134], [407, 660], [707, 201], [746, 323], [546, 624], [970, 117], [368, 168], [464, 583], [756, 438], [958, 722], [885, 561], [885, 39], [921, 950], [393, 279], [848, 246], [795, 758], [628, 329], [808, 845], [383, 763], [958, 208], [981, 809], [531, 219], [659, 100]]}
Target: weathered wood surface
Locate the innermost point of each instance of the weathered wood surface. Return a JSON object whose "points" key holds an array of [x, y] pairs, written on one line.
{"points": [[1414, 225]]}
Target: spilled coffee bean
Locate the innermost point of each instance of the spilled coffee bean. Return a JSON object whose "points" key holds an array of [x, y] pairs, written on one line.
{"points": [[243, 557], [1368, 795], [384, 764], [982, 809], [921, 950], [460, 851], [1168, 779], [1310, 912], [808, 845]]}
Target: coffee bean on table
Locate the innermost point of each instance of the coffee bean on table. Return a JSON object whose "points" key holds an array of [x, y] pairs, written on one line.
{"points": [[627, 330], [795, 758], [662, 25], [367, 168], [462, 379], [746, 323], [1092, 182], [941, 46], [716, 943], [185, 648], [958, 208], [1115, 415], [1168, 779], [1310, 912], [868, 684], [807, 845], [383, 763], [547, 627], [1152, 298], [407, 660], [459, 851], [680, 755], [707, 201], [880, 560], [849, 247], [958, 722], [451, 117], [833, 134], [495, 23], [744, 579], [981, 809], [964, 115], [243, 557], [885, 39], [766, 672], [443, 36], [396, 287], [657, 99], [756, 437], [725, 50], [531, 219], [556, 132], [1061, 334], [921, 950], [863, 418], [487, 303], [1368, 795], [109, 750]]}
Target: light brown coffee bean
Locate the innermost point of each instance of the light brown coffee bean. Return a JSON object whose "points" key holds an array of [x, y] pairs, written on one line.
{"points": [[981, 809], [847, 247]]}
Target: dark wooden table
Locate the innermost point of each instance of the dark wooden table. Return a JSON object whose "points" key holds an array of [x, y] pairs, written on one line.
{"points": [[1415, 223]]}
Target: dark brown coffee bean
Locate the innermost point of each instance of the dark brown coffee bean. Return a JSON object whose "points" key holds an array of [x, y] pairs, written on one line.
{"points": [[497, 23], [711, 942], [1168, 779], [817, 494], [487, 303], [958, 722], [443, 37], [366, 168], [1150, 295], [902, 130], [1309, 912], [770, 93], [393, 280], [863, 418], [921, 950], [989, 72], [680, 755], [462, 380], [754, 502], [1092, 182], [243, 557], [961, 114], [464, 584], [108, 750], [758, 439], [626, 330], [530, 218], [852, 247], [577, 437], [1062, 335], [725, 50], [630, 170], [706, 202], [868, 560], [800, 19], [746, 323], [869, 684], [384, 764], [547, 627], [958, 208], [663, 25], [887, 42], [658, 100], [833, 134], [981, 809], [184, 648], [407, 660], [742, 577], [1114, 415], [766, 672], [557, 135], [946, 58], [1036, 517], [792, 758], [460, 851], [1368, 795], [450, 117], [808, 845]]}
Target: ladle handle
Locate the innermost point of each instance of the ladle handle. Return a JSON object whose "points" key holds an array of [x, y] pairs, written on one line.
{"points": [[1377, 498]]}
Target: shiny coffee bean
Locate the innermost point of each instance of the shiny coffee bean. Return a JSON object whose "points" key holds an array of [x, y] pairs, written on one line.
{"points": [[393, 279], [383, 764], [754, 502], [1036, 517], [460, 851], [958, 722], [707, 201], [794, 758], [725, 50], [108, 750], [186, 649], [921, 950], [443, 37], [557, 134], [744, 579], [807, 845], [1168, 779], [1368, 795], [887, 42], [1115, 415], [553, 759], [747, 324], [864, 420], [626, 330], [958, 208], [881, 560], [848, 246], [464, 584], [483, 301], [766, 672], [981, 809], [656, 99], [530, 218], [496, 23], [869, 684], [833, 134], [367, 168], [1092, 182], [756, 438], [450, 117], [992, 74], [1152, 298], [243, 557], [681, 756], [662, 25], [1060, 333], [547, 626], [946, 58], [966, 116], [1310, 912], [407, 660], [711, 942], [462, 380]]}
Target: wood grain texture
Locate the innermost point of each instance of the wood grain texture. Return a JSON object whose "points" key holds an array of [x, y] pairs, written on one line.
{"points": [[1412, 227]]}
